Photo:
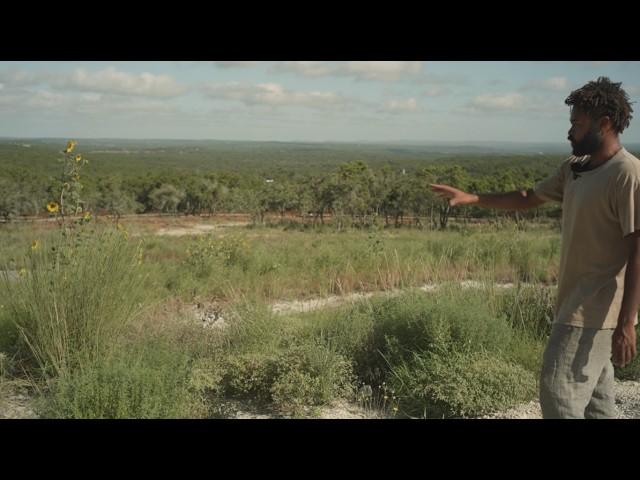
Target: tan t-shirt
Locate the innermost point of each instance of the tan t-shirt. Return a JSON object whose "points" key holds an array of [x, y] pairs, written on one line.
{"points": [[599, 208]]}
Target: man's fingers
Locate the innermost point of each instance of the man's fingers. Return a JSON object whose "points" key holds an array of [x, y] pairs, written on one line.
{"points": [[623, 355], [616, 357], [441, 188], [624, 349], [630, 354]]}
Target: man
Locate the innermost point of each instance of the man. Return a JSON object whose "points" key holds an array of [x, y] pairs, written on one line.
{"points": [[599, 281]]}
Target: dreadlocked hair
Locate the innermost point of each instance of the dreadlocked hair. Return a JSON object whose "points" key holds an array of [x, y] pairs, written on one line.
{"points": [[603, 97]]}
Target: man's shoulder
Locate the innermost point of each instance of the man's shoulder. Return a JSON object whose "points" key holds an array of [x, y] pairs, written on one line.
{"points": [[624, 170], [628, 157], [627, 163]]}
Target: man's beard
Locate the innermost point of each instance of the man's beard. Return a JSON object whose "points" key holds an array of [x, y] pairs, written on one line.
{"points": [[591, 142]]}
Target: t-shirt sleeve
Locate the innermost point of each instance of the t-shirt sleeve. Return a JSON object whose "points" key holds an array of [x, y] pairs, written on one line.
{"points": [[627, 194], [552, 187]]}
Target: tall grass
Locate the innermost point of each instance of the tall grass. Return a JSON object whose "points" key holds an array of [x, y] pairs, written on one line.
{"points": [[149, 379], [73, 297], [274, 265]]}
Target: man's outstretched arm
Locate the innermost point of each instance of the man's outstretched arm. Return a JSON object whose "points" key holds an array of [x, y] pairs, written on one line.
{"points": [[510, 201]]}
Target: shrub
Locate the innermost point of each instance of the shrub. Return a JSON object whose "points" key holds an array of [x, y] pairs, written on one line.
{"points": [[459, 384]]}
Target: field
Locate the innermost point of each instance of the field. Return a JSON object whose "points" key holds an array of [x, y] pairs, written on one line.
{"points": [[115, 315], [199, 336]]}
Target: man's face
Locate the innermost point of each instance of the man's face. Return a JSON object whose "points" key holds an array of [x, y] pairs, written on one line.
{"points": [[584, 134]]}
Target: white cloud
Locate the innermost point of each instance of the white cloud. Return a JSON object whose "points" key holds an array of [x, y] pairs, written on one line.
{"points": [[307, 69], [113, 81], [98, 104], [232, 64], [16, 78], [401, 106], [514, 103], [437, 91], [45, 99], [95, 104], [385, 71], [359, 70], [493, 102], [91, 97], [556, 84], [274, 95]]}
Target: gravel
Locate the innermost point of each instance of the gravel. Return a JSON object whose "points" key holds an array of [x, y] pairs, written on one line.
{"points": [[16, 405], [627, 404]]}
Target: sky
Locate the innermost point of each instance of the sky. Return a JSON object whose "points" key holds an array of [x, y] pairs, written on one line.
{"points": [[302, 101]]}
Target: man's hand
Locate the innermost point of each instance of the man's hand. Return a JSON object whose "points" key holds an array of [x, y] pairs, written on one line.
{"points": [[624, 336], [624, 344], [455, 196]]}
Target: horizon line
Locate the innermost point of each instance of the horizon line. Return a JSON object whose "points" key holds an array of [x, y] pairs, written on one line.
{"points": [[295, 141]]}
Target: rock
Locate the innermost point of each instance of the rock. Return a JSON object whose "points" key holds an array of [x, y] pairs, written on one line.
{"points": [[211, 316]]}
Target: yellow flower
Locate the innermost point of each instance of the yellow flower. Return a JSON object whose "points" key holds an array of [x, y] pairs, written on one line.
{"points": [[78, 158], [35, 244], [22, 272], [87, 217], [53, 207], [70, 146]]}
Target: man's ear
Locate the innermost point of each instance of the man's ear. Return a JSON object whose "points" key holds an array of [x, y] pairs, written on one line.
{"points": [[605, 124]]}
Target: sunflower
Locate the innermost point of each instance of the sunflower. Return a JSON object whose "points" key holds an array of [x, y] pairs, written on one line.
{"points": [[53, 207], [70, 146], [35, 244], [78, 158]]}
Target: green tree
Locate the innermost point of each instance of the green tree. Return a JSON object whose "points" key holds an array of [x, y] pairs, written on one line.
{"points": [[117, 202], [166, 198]]}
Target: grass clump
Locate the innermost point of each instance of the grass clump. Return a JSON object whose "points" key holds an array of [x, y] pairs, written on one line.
{"points": [[74, 296], [152, 381]]}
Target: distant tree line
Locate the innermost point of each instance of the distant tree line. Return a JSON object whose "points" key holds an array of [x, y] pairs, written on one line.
{"points": [[352, 194]]}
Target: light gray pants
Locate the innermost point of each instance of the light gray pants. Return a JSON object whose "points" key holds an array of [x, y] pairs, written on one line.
{"points": [[577, 374]]}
